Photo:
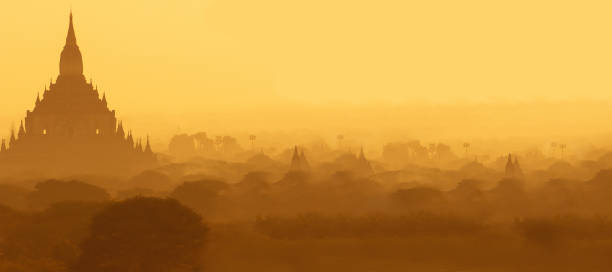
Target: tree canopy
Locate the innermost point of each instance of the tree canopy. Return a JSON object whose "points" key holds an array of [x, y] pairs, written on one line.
{"points": [[144, 234]]}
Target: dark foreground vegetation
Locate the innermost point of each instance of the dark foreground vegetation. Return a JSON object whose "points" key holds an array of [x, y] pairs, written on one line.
{"points": [[344, 222], [148, 234], [139, 234]]}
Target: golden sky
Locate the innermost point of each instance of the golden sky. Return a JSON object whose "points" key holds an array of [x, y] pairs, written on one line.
{"points": [[193, 63]]}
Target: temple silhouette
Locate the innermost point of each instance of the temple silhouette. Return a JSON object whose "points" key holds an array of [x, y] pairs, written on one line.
{"points": [[299, 163], [513, 169], [72, 130]]}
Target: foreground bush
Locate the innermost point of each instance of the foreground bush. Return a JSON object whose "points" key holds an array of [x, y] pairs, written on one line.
{"points": [[143, 234]]}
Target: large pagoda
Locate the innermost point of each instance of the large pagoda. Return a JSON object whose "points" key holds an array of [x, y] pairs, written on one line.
{"points": [[72, 130]]}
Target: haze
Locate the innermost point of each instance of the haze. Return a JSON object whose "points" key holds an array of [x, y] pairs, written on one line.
{"points": [[379, 70], [280, 135]]}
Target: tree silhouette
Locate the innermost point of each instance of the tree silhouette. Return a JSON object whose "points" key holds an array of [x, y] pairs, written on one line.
{"points": [[143, 234], [553, 147], [199, 195], [562, 147], [52, 191], [466, 146]]}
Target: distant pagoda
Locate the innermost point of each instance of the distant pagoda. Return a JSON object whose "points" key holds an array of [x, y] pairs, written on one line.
{"points": [[72, 130], [299, 162], [513, 169]]}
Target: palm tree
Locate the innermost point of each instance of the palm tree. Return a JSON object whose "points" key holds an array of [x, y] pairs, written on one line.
{"points": [[562, 147], [252, 139], [553, 146], [466, 146]]}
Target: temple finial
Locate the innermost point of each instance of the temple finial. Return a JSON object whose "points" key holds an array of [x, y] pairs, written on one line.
{"points": [[71, 37], [21, 132], [148, 149], [71, 60]]}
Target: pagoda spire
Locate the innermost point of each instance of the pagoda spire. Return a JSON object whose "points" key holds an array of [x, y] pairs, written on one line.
{"points": [[130, 139], [71, 37], [3, 148], [296, 154], [296, 161], [148, 147], [21, 132], [362, 155], [364, 164], [304, 163], [120, 131], [517, 168], [510, 167], [12, 140], [139, 146], [71, 61]]}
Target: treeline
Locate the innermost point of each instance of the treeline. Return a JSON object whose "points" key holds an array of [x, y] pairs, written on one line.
{"points": [[47, 240], [48, 192], [343, 193], [540, 230], [257, 194], [319, 226], [53, 225]]}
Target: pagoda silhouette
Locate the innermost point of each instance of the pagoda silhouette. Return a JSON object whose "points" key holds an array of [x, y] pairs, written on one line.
{"points": [[72, 130]]}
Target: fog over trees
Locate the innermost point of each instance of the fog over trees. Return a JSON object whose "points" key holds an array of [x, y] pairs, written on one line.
{"points": [[414, 207]]}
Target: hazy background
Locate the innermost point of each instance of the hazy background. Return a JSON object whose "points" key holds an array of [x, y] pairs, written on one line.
{"points": [[377, 71]]}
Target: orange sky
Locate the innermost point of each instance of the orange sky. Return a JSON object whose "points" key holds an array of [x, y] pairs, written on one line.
{"points": [[214, 65]]}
